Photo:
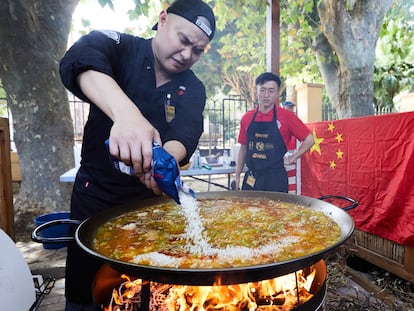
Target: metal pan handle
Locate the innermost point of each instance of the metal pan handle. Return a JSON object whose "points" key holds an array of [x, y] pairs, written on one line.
{"points": [[346, 208], [36, 232]]}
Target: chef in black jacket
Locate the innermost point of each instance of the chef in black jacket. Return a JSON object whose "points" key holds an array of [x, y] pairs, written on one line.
{"points": [[140, 91]]}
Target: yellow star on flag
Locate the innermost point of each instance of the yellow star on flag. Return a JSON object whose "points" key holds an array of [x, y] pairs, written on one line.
{"points": [[339, 154], [339, 138], [316, 146], [332, 164], [331, 127]]}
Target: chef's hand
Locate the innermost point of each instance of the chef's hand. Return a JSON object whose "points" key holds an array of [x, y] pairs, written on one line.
{"points": [[131, 141]]}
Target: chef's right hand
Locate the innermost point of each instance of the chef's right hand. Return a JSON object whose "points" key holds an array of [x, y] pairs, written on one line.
{"points": [[131, 134], [131, 141]]}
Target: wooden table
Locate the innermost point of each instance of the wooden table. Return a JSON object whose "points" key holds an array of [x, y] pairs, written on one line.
{"points": [[219, 170]]}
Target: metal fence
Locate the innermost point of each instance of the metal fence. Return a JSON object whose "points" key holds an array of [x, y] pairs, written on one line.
{"points": [[329, 113], [79, 111], [222, 120], [222, 123]]}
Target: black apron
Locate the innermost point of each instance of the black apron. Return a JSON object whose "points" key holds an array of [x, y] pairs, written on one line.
{"points": [[265, 152]]}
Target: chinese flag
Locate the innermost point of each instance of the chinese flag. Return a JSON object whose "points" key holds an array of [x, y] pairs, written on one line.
{"points": [[370, 159]]}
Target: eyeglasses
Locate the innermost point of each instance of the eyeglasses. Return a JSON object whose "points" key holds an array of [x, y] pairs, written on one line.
{"points": [[263, 91]]}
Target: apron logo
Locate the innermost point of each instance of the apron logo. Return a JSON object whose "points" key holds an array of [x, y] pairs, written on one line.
{"points": [[259, 156], [261, 135], [260, 146]]}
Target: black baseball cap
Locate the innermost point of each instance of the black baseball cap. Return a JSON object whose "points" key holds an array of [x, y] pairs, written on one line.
{"points": [[193, 11]]}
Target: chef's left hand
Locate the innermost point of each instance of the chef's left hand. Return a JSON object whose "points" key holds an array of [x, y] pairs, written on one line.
{"points": [[150, 182]]}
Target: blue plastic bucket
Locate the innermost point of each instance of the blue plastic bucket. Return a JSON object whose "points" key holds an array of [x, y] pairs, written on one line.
{"points": [[55, 231]]}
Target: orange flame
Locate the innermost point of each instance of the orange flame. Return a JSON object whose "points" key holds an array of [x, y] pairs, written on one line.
{"points": [[128, 293], [281, 292]]}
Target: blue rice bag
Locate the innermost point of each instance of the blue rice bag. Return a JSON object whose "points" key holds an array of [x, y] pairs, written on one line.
{"points": [[165, 171], [182, 187]]}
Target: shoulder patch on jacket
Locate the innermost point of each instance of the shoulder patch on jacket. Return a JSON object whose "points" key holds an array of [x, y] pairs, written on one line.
{"points": [[111, 34]]}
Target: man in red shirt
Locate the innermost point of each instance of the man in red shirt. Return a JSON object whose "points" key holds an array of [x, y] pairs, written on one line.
{"points": [[264, 134]]}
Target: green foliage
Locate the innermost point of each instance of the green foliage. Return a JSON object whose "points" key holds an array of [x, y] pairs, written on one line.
{"points": [[394, 69], [109, 3], [141, 9], [3, 103], [299, 27], [2, 92], [395, 52], [244, 42], [238, 52], [240, 43]]}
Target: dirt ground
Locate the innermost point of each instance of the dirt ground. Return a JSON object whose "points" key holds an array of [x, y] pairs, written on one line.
{"points": [[367, 289]]}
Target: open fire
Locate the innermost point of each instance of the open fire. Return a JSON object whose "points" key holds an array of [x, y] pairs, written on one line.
{"points": [[120, 292], [285, 292]]}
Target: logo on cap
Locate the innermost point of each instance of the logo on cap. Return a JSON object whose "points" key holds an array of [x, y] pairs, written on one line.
{"points": [[203, 27]]}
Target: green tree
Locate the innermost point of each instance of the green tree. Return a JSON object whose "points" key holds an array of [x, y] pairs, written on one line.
{"points": [[237, 54], [346, 52], [336, 37], [394, 69], [342, 35], [242, 44]]}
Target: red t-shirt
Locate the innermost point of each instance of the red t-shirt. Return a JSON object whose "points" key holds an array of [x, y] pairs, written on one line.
{"points": [[289, 124]]}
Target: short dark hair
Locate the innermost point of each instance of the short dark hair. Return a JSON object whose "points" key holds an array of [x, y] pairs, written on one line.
{"points": [[268, 76]]}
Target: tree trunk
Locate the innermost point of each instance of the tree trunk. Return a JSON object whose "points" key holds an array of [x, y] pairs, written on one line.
{"points": [[346, 52], [34, 37]]}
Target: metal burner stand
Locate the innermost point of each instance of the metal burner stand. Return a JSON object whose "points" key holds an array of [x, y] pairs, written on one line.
{"points": [[42, 290]]}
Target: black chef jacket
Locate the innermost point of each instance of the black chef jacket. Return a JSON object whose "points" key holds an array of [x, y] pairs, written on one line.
{"points": [[98, 186], [129, 60]]}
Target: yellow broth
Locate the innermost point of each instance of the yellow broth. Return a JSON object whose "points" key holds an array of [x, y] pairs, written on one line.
{"points": [[241, 232]]}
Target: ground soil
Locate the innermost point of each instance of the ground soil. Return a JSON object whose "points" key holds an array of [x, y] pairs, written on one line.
{"points": [[354, 284]]}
